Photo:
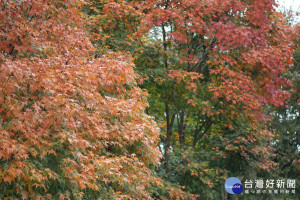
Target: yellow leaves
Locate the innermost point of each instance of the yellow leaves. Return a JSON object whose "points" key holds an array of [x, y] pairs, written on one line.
{"points": [[194, 172], [80, 3], [118, 192], [236, 141]]}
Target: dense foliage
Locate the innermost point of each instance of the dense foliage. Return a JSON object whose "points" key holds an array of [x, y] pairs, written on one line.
{"points": [[72, 126], [75, 122]]}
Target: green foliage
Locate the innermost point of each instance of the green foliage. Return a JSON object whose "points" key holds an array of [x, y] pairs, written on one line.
{"points": [[75, 124]]}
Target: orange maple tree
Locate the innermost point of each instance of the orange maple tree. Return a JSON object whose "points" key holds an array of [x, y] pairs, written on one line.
{"points": [[239, 51], [71, 126]]}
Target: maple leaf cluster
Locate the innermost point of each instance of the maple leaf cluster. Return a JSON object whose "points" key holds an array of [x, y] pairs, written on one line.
{"points": [[71, 126]]}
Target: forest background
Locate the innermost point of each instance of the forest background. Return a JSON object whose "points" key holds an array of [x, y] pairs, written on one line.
{"points": [[157, 99]]}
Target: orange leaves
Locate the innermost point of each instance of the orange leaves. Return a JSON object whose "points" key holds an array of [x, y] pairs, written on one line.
{"points": [[67, 119], [177, 194], [187, 79]]}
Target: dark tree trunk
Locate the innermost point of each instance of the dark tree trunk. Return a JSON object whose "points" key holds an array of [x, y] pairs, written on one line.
{"points": [[167, 141], [181, 130]]}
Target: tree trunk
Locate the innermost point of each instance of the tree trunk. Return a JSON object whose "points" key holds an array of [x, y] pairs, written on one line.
{"points": [[167, 141], [223, 193], [167, 144], [233, 197], [181, 130]]}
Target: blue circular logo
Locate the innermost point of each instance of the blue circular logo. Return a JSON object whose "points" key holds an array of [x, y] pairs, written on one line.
{"points": [[233, 186]]}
